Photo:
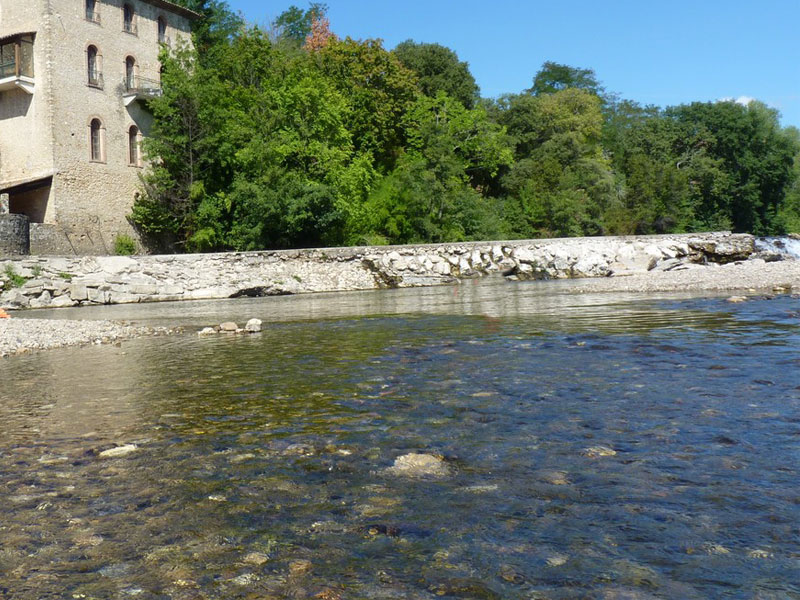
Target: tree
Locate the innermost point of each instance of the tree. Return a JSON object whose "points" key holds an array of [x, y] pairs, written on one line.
{"points": [[320, 35], [554, 77], [216, 28], [295, 24], [439, 70], [380, 90], [752, 151], [191, 146], [430, 196], [560, 184]]}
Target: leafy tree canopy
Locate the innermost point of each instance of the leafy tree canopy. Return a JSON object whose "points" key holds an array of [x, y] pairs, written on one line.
{"points": [[439, 70], [553, 77], [295, 24]]}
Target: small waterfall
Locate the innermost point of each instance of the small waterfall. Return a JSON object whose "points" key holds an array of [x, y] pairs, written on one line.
{"points": [[786, 247]]}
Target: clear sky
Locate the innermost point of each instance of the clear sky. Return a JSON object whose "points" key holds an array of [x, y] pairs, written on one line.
{"points": [[661, 53]]}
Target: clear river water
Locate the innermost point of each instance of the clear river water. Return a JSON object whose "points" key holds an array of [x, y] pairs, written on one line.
{"points": [[594, 446]]}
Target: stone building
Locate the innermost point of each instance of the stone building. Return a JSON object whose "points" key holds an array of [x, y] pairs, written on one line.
{"points": [[74, 79]]}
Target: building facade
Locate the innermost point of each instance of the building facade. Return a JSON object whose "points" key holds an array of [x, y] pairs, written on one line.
{"points": [[75, 76]]}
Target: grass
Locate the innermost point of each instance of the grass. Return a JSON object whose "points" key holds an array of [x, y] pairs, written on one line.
{"points": [[13, 278]]}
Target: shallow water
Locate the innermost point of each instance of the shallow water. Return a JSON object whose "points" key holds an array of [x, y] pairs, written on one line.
{"points": [[597, 447]]}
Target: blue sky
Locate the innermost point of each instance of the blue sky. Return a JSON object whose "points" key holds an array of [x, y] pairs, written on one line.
{"points": [[661, 53]]}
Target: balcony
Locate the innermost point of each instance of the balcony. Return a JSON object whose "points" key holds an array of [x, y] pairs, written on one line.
{"points": [[139, 88], [16, 63]]}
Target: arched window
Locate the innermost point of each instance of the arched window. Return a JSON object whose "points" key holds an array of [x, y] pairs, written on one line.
{"points": [[130, 73], [134, 158], [94, 74], [128, 19], [91, 11], [96, 144], [162, 30]]}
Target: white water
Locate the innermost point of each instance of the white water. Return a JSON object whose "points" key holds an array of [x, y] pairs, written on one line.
{"points": [[785, 246]]}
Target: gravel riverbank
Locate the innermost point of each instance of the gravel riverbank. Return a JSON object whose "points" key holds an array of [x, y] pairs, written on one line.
{"points": [[19, 335], [752, 275]]}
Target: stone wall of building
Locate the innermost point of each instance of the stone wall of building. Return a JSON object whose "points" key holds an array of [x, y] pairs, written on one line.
{"points": [[62, 281], [48, 133], [54, 240], [98, 195], [26, 121]]}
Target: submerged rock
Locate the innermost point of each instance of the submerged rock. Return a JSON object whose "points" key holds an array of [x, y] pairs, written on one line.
{"points": [[419, 465], [119, 451], [255, 558], [599, 451]]}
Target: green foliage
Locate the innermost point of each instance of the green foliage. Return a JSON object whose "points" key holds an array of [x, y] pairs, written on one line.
{"points": [[124, 245], [261, 142], [439, 70], [561, 184], [13, 278], [294, 24], [431, 195], [554, 77], [379, 91]]}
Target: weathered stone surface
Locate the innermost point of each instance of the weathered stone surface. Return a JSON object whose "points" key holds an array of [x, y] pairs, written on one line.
{"points": [[14, 233], [228, 326]]}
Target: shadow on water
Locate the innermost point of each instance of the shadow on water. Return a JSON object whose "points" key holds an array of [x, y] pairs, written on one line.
{"points": [[594, 446]]}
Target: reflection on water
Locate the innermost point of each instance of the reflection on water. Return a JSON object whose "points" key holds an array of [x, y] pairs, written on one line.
{"points": [[598, 447]]}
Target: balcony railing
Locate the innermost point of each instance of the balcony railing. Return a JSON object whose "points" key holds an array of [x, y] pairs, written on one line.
{"points": [[139, 88], [96, 80]]}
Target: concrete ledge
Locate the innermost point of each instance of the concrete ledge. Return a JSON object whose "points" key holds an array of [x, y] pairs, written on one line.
{"points": [[70, 281]]}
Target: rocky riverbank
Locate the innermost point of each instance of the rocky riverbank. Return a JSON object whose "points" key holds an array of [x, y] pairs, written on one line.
{"points": [[52, 282]]}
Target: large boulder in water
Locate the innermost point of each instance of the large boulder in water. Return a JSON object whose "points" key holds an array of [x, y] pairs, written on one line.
{"points": [[419, 465]]}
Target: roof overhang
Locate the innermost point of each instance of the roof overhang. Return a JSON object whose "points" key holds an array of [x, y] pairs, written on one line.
{"points": [[16, 34], [18, 186], [175, 8]]}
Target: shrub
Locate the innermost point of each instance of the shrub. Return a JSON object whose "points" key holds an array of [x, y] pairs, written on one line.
{"points": [[124, 245]]}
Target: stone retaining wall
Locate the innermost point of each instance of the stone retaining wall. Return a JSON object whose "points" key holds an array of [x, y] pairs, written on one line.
{"points": [[62, 281], [14, 235]]}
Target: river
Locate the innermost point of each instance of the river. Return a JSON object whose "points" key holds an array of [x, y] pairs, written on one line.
{"points": [[592, 446]]}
